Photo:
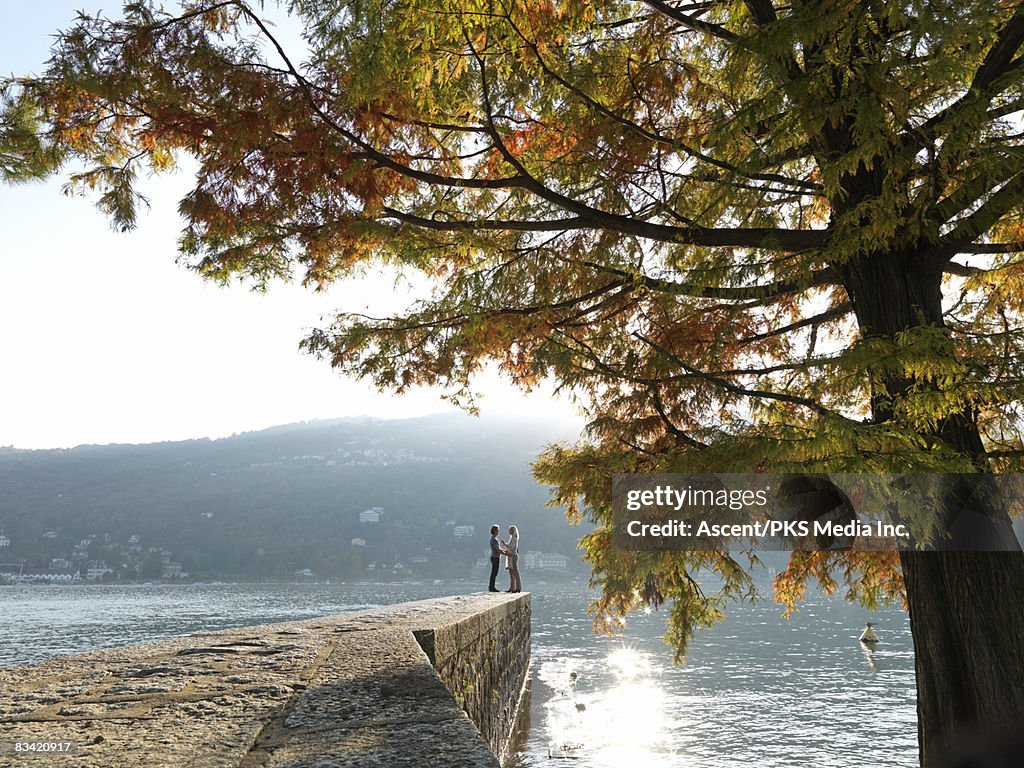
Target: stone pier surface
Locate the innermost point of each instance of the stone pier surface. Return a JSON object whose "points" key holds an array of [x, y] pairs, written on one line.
{"points": [[430, 683]]}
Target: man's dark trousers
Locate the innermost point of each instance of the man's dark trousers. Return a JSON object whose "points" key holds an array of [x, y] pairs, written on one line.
{"points": [[494, 571]]}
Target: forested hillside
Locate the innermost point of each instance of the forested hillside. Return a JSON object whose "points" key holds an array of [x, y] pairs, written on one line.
{"points": [[266, 504]]}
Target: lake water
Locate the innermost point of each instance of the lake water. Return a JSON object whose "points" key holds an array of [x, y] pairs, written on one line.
{"points": [[756, 690]]}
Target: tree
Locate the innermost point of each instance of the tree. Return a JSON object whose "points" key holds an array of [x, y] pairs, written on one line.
{"points": [[748, 235]]}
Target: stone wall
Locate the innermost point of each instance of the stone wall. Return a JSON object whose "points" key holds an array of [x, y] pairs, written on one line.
{"points": [[484, 660], [354, 690]]}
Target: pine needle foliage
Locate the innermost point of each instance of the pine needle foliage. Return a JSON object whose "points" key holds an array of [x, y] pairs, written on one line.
{"points": [[748, 236]]}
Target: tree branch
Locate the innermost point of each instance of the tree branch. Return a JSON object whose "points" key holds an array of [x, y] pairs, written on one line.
{"points": [[832, 314], [1015, 247], [735, 389], [970, 228], [651, 135], [727, 293], [997, 63], [770, 239], [692, 22]]}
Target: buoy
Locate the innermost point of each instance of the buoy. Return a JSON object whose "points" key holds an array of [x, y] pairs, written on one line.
{"points": [[868, 636]]}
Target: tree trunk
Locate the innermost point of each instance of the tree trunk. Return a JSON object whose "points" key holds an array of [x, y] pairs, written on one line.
{"points": [[967, 620], [966, 607]]}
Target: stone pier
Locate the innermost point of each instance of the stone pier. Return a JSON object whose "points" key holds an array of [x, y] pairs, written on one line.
{"points": [[434, 683]]}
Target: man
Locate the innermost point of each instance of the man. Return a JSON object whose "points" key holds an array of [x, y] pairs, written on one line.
{"points": [[495, 556]]}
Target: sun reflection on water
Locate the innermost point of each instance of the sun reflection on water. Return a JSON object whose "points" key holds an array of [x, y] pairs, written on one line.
{"points": [[613, 725], [756, 690]]}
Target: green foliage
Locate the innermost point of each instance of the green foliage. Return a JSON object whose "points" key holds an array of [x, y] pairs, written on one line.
{"points": [[748, 236], [25, 154]]}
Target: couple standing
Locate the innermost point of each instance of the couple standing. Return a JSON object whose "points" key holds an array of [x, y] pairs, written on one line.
{"points": [[510, 549]]}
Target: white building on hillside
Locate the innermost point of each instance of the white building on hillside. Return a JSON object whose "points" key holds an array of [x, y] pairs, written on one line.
{"points": [[97, 571], [545, 561], [371, 515]]}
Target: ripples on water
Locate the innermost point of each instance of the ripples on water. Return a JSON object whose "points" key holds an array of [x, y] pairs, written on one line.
{"points": [[755, 691], [50, 620]]}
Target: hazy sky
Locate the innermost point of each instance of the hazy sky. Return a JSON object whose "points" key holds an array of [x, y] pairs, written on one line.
{"points": [[105, 339]]}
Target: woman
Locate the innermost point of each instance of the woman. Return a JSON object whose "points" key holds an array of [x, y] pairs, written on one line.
{"points": [[511, 550]]}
